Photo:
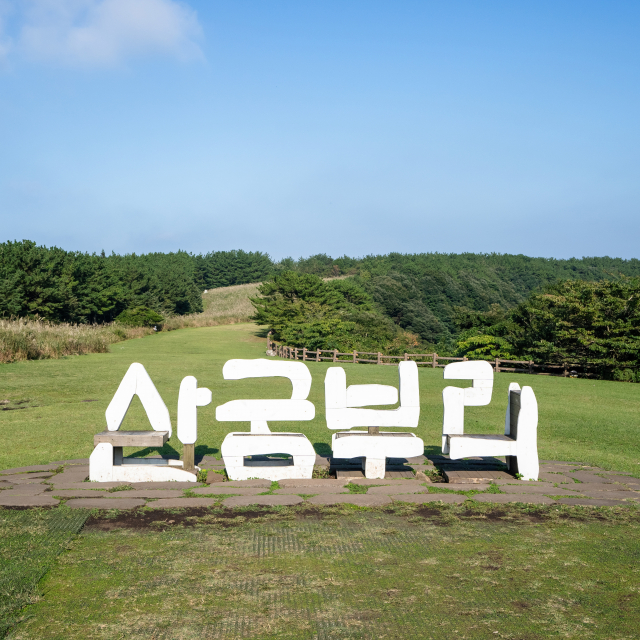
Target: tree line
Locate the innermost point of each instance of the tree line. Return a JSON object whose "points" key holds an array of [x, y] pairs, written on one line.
{"points": [[592, 325], [477, 304], [81, 288]]}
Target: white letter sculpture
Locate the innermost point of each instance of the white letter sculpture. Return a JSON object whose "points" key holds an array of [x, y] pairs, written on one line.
{"points": [[260, 441], [107, 463], [341, 402], [519, 443], [456, 399]]}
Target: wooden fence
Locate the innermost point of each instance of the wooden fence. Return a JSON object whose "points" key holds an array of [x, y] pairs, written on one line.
{"points": [[432, 360]]}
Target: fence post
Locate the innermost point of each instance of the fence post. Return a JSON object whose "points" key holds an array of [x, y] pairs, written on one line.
{"points": [[304, 354], [406, 357], [435, 360], [335, 355], [294, 352], [497, 365], [355, 357], [379, 358], [564, 367], [318, 355], [530, 366], [465, 359]]}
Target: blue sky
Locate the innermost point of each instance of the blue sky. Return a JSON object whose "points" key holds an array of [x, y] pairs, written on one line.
{"points": [[304, 127]]}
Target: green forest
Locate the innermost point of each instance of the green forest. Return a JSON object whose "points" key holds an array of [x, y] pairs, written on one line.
{"points": [[583, 310]]}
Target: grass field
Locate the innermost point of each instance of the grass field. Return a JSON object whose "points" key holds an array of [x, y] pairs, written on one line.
{"points": [[345, 573], [473, 571], [56, 406]]}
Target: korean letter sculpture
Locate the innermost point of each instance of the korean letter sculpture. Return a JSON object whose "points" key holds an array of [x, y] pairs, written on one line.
{"points": [[343, 409], [260, 441], [455, 399], [107, 463], [519, 443]]}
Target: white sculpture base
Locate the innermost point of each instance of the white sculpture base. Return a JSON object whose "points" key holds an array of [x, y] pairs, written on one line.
{"points": [[376, 448], [238, 445], [102, 468]]}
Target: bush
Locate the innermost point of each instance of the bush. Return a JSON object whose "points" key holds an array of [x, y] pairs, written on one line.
{"points": [[140, 317]]}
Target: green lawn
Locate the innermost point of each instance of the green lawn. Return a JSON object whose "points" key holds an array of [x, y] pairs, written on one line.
{"points": [[345, 573], [593, 422]]}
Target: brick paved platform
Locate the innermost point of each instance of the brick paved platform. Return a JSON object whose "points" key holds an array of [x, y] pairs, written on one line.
{"points": [[565, 483]]}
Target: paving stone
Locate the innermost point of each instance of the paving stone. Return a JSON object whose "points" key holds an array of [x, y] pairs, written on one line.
{"points": [[25, 480], [5, 485], [162, 485], [363, 500], [68, 478], [455, 486], [171, 503], [272, 500], [249, 483], [210, 461], [78, 493], [322, 461], [612, 495], [26, 489], [87, 485], [395, 474], [475, 476], [586, 502], [560, 478], [397, 488], [214, 478], [418, 460], [625, 479], [587, 477], [221, 490], [146, 493], [310, 490], [314, 482], [537, 488], [37, 467], [7, 500], [604, 488], [623, 475], [370, 481], [103, 503], [21, 478], [348, 474], [73, 462], [422, 498], [501, 498]]}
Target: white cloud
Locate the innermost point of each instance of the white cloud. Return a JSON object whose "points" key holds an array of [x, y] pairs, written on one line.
{"points": [[5, 40], [106, 32]]}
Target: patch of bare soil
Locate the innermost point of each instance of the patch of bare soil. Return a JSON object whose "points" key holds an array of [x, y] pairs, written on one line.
{"points": [[160, 518]]}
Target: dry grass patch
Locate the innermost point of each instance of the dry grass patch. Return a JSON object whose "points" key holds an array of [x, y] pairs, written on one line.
{"points": [[25, 339], [225, 305]]}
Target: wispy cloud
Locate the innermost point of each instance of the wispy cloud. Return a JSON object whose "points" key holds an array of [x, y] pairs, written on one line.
{"points": [[5, 41], [104, 32]]}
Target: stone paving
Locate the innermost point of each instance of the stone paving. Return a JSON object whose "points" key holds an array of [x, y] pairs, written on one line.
{"points": [[415, 481]]}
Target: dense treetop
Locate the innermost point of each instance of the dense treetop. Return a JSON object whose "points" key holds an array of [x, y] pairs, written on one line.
{"points": [[421, 293]]}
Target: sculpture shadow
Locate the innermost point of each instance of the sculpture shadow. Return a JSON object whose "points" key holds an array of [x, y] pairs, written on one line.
{"points": [[166, 451], [322, 449], [203, 450]]}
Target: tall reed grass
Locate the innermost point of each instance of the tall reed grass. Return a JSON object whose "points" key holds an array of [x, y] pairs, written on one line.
{"points": [[27, 339]]}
